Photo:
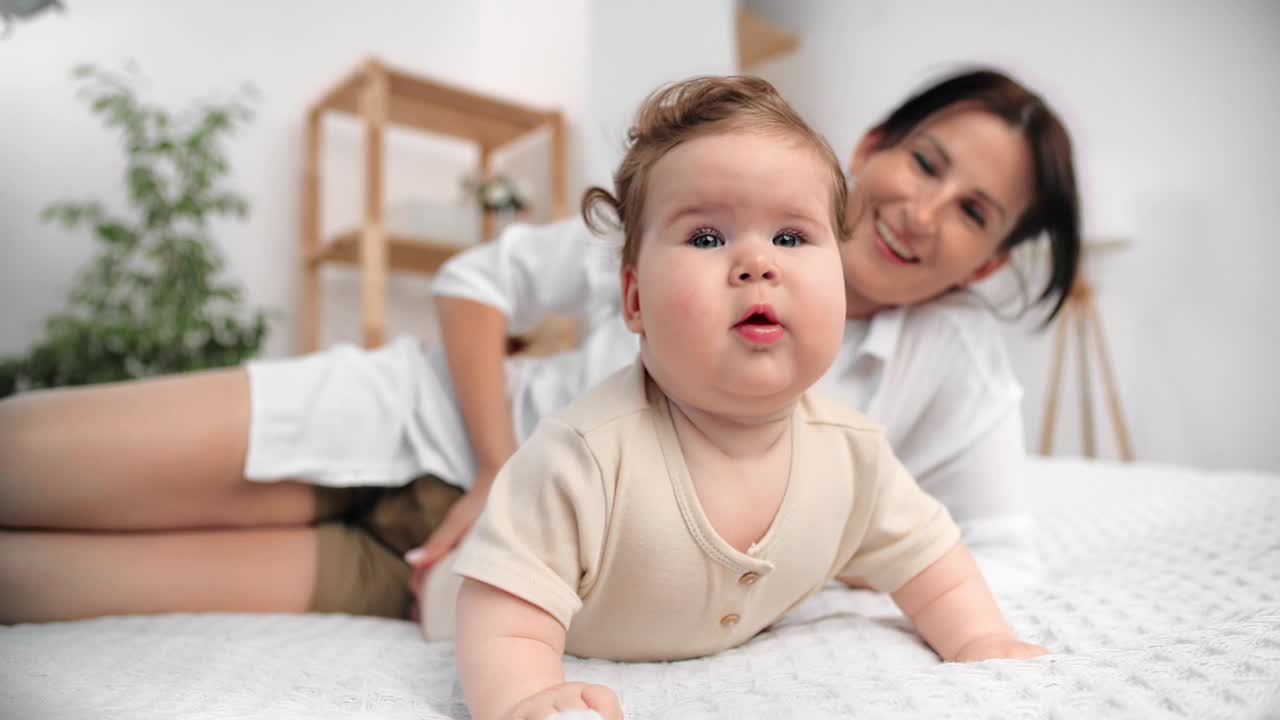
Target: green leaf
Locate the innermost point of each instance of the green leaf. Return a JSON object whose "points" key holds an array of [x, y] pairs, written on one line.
{"points": [[150, 300]]}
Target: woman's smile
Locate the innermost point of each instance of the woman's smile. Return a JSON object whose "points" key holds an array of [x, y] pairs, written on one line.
{"points": [[893, 247]]}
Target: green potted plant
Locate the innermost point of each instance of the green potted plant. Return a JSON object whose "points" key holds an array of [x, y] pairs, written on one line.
{"points": [[151, 301]]}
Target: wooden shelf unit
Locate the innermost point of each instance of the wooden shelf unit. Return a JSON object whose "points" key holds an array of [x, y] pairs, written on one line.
{"points": [[382, 96]]}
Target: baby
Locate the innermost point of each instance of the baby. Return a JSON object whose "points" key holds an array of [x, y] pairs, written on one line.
{"points": [[690, 501]]}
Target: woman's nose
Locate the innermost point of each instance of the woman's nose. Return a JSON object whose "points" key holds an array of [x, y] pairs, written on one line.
{"points": [[923, 214]]}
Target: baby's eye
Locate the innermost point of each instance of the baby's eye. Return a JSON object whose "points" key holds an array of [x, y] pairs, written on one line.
{"points": [[787, 239], [706, 239]]}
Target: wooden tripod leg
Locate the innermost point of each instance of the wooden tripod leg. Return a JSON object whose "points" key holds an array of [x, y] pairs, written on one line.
{"points": [[1109, 384], [559, 176], [374, 261], [484, 166], [309, 320], [1055, 381], [1086, 387]]}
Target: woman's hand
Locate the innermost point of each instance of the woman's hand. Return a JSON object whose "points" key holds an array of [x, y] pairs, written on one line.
{"points": [[997, 647], [567, 697], [461, 516]]}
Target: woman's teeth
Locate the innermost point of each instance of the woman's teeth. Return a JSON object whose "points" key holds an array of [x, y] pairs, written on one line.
{"points": [[895, 246]]}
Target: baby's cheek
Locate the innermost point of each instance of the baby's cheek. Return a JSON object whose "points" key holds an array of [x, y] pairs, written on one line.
{"points": [[684, 306], [827, 297]]}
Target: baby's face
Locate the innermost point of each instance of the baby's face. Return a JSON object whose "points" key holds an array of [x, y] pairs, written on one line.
{"points": [[737, 291]]}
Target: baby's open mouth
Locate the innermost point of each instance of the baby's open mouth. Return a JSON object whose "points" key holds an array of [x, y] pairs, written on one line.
{"points": [[759, 326]]}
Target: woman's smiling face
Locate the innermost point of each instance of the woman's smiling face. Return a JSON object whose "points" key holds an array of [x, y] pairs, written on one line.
{"points": [[929, 213]]}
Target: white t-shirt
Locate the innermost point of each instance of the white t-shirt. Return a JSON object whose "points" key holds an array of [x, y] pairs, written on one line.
{"points": [[936, 375]]}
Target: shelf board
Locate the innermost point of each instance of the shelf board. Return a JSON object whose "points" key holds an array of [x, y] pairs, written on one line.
{"points": [[437, 107], [760, 39], [404, 253]]}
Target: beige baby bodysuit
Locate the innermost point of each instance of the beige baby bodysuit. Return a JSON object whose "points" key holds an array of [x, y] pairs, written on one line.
{"points": [[595, 519]]}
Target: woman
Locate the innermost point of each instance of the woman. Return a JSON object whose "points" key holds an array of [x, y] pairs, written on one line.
{"points": [[944, 188]]}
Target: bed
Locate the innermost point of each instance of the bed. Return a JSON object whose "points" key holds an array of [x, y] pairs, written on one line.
{"points": [[1163, 600]]}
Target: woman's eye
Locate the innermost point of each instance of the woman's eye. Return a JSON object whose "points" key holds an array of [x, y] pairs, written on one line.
{"points": [[975, 213], [923, 162], [787, 239], [704, 239]]}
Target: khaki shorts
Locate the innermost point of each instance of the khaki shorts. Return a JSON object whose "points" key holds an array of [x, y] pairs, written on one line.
{"points": [[362, 535]]}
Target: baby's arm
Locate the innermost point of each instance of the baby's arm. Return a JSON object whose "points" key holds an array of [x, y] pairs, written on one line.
{"points": [[953, 609], [510, 660]]}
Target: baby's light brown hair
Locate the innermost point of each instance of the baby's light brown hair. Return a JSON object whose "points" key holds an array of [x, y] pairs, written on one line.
{"points": [[693, 108]]}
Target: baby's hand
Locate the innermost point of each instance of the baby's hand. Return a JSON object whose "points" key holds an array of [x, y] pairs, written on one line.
{"points": [[995, 647], [572, 696]]}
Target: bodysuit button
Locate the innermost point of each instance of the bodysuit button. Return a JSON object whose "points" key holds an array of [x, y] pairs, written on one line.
{"points": [[730, 620]]}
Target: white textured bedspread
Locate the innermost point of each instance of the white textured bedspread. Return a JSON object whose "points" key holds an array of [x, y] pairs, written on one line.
{"points": [[1163, 600]]}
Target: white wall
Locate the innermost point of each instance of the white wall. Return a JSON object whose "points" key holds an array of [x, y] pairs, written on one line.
{"points": [[1174, 107], [582, 56], [635, 47]]}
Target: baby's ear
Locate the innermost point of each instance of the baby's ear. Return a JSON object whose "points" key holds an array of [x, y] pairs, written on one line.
{"points": [[631, 301]]}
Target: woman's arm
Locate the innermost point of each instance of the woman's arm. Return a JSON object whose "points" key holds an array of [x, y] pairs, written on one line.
{"points": [[475, 336], [508, 284], [483, 295]]}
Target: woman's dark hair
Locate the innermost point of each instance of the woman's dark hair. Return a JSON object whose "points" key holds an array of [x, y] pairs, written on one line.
{"points": [[1055, 207]]}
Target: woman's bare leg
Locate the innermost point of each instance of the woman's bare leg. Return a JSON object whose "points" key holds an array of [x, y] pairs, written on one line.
{"points": [[166, 453], [65, 576], [157, 465]]}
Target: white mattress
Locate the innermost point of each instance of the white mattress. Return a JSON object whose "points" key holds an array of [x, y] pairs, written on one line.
{"points": [[1163, 601]]}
